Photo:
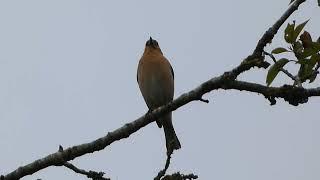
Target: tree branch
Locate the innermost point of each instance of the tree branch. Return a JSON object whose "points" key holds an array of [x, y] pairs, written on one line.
{"points": [[163, 172], [269, 34], [90, 174], [256, 59], [294, 78], [292, 94], [178, 176]]}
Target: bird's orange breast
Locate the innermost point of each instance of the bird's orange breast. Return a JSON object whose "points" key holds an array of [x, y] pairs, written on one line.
{"points": [[155, 80]]}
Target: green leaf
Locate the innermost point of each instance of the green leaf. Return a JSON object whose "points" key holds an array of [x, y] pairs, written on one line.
{"points": [[314, 60], [303, 72], [308, 52], [297, 48], [288, 33], [316, 46], [303, 61], [306, 71], [310, 48], [279, 50], [298, 30], [313, 77], [274, 70]]}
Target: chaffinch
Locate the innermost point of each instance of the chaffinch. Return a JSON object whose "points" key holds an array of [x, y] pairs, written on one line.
{"points": [[156, 82]]}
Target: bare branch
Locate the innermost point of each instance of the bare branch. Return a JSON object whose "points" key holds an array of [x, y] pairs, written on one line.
{"points": [[90, 174], [204, 100], [256, 58], [163, 172], [269, 34], [178, 176], [293, 95], [189, 176]]}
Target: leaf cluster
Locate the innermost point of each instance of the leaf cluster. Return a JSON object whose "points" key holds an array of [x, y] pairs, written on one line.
{"points": [[305, 50]]}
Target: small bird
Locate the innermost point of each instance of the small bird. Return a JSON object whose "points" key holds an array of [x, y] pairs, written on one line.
{"points": [[156, 82]]}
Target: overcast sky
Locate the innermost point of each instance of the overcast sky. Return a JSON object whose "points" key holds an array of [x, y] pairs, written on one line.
{"points": [[68, 76]]}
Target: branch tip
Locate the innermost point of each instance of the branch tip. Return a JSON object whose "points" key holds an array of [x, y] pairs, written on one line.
{"points": [[272, 100], [190, 176], [90, 174], [60, 148], [179, 176], [204, 100], [163, 172]]}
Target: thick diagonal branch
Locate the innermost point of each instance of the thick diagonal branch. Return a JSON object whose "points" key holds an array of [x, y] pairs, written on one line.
{"points": [[221, 82]]}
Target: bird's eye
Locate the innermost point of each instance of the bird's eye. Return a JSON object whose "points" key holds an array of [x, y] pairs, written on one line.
{"points": [[156, 43]]}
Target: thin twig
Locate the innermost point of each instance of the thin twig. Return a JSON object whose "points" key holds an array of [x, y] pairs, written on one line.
{"points": [[318, 66], [163, 172], [294, 78], [90, 174], [204, 100], [269, 34], [179, 176], [189, 176]]}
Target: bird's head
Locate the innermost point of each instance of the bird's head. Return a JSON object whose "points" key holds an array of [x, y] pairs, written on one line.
{"points": [[152, 43]]}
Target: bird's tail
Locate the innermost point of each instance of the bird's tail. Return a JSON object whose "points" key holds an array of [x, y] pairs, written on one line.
{"points": [[172, 141]]}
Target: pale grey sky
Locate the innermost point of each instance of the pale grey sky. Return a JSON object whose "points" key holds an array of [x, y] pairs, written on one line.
{"points": [[68, 76]]}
